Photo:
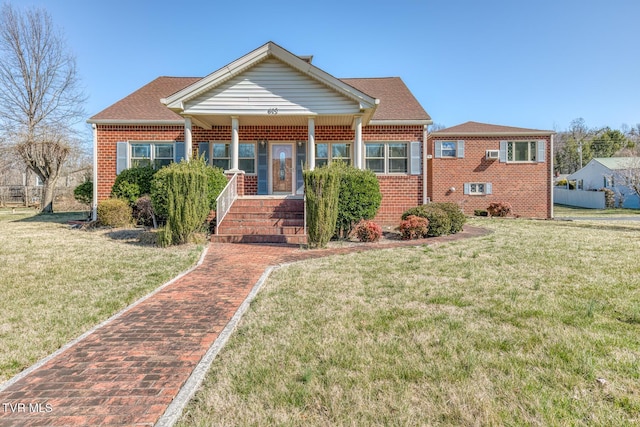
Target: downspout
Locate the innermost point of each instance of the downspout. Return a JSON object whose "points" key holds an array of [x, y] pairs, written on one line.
{"points": [[94, 203], [551, 176], [425, 145]]}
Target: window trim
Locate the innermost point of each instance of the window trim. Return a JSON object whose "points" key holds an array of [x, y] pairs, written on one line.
{"points": [[255, 155], [387, 158], [330, 151], [152, 152]]}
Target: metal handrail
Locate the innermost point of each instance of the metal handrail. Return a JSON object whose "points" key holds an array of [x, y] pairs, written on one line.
{"points": [[225, 200]]}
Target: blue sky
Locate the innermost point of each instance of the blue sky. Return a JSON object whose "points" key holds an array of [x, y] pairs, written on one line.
{"points": [[537, 64]]}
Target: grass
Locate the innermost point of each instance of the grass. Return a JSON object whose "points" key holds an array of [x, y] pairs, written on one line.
{"points": [[572, 211], [535, 324], [56, 283]]}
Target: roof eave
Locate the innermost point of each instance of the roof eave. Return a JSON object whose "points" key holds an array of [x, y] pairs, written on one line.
{"points": [[136, 122], [498, 134], [399, 122]]}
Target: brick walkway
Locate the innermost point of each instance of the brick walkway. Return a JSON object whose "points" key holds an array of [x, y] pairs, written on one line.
{"points": [[129, 370]]}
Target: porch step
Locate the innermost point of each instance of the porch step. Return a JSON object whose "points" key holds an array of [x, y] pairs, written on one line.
{"points": [[265, 219]]}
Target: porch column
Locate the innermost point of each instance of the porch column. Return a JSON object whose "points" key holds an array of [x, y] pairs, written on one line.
{"points": [[358, 152], [311, 158], [188, 141], [235, 143]]}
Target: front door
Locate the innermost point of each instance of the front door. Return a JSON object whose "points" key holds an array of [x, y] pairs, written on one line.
{"points": [[282, 169]]}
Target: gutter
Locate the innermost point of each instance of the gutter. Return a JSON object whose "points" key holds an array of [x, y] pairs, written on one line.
{"points": [[94, 202], [425, 147]]}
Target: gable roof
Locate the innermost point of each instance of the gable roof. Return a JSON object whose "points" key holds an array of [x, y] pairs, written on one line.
{"points": [[618, 163], [486, 129], [387, 100]]}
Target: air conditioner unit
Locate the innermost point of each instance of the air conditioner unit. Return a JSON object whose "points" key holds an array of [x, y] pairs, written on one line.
{"points": [[493, 154]]}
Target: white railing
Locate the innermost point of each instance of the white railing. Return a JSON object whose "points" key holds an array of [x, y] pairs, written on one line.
{"points": [[226, 199]]}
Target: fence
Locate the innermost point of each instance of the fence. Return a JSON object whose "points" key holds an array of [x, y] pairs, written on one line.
{"points": [[19, 195], [580, 198]]}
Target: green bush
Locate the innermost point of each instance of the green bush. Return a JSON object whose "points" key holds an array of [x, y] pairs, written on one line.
{"points": [[83, 193], [480, 212], [439, 222], [456, 215], [114, 213], [185, 194], [322, 187], [359, 197], [132, 183], [216, 181]]}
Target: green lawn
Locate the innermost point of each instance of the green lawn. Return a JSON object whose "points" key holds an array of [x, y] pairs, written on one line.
{"points": [[560, 211], [535, 324], [56, 283]]}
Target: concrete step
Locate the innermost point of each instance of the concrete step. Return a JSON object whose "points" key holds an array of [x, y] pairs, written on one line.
{"points": [[236, 229]]}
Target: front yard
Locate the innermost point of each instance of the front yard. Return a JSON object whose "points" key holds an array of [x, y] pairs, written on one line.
{"points": [[535, 324], [56, 283]]}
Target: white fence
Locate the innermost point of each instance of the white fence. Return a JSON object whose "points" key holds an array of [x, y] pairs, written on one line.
{"points": [[580, 198]]}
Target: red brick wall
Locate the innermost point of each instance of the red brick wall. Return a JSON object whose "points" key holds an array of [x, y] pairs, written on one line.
{"points": [[524, 185], [399, 192]]}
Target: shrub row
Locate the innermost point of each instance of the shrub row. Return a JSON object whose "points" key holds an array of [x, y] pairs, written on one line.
{"points": [[442, 218]]}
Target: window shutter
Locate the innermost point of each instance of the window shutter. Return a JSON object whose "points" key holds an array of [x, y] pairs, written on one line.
{"points": [[503, 151], [262, 169], [178, 152], [467, 188], [301, 160], [203, 150], [460, 150], [542, 150], [438, 146], [122, 156], [488, 188], [415, 163]]}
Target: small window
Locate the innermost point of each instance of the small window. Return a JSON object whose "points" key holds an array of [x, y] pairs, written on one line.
{"points": [[477, 188], [246, 156], [326, 152], [521, 151], [449, 148], [387, 158], [151, 154]]}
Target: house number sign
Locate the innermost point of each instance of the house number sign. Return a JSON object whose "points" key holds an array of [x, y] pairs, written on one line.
{"points": [[272, 111]]}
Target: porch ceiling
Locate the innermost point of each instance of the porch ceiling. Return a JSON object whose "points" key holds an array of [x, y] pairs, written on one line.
{"points": [[284, 120]]}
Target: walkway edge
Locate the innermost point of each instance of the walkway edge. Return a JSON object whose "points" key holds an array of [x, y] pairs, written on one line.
{"points": [[195, 380], [71, 343]]}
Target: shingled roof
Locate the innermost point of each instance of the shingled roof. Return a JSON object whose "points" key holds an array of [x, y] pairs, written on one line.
{"points": [[143, 105], [480, 129]]}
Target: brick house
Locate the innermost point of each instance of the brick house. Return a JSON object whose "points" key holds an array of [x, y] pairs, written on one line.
{"points": [[264, 117], [474, 164]]}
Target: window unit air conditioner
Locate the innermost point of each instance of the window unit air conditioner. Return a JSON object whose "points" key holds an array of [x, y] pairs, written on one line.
{"points": [[493, 154]]}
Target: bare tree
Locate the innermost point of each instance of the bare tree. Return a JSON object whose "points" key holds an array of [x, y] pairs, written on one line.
{"points": [[627, 179], [39, 92]]}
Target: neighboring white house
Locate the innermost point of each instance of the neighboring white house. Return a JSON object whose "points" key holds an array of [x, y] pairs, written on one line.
{"points": [[611, 173]]}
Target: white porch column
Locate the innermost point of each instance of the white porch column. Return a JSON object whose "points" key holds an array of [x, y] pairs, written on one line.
{"points": [[235, 143], [188, 140], [358, 152], [311, 158]]}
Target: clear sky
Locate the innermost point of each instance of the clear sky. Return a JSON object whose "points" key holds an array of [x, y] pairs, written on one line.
{"points": [[536, 64]]}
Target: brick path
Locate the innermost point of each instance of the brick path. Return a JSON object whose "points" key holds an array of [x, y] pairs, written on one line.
{"points": [[129, 370]]}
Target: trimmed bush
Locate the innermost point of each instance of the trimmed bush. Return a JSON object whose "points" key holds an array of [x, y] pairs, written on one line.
{"points": [[321, 187], [83, 193], [359, 197], [216, 181], [456, 215], [186, 197], [500, 209], [480, 212], [414, 227], [114, 213], [132, 183], [368, 231], [439, 222]]}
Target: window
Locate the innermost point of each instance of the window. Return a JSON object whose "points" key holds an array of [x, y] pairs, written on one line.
{"points": [[328, 151], [246, 156], [151, 154], [521, 151], [449, 149], [477, 188], [389, 158]]}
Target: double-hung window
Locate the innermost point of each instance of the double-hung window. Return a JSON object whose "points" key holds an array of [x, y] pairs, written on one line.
{"points": [[477, 188], [449, 149], [326, 152], [387, 157], [246, 156], [155, 154], [522, 151]]}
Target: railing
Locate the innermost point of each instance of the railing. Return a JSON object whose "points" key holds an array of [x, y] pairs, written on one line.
{"points": [[226, 199]]}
